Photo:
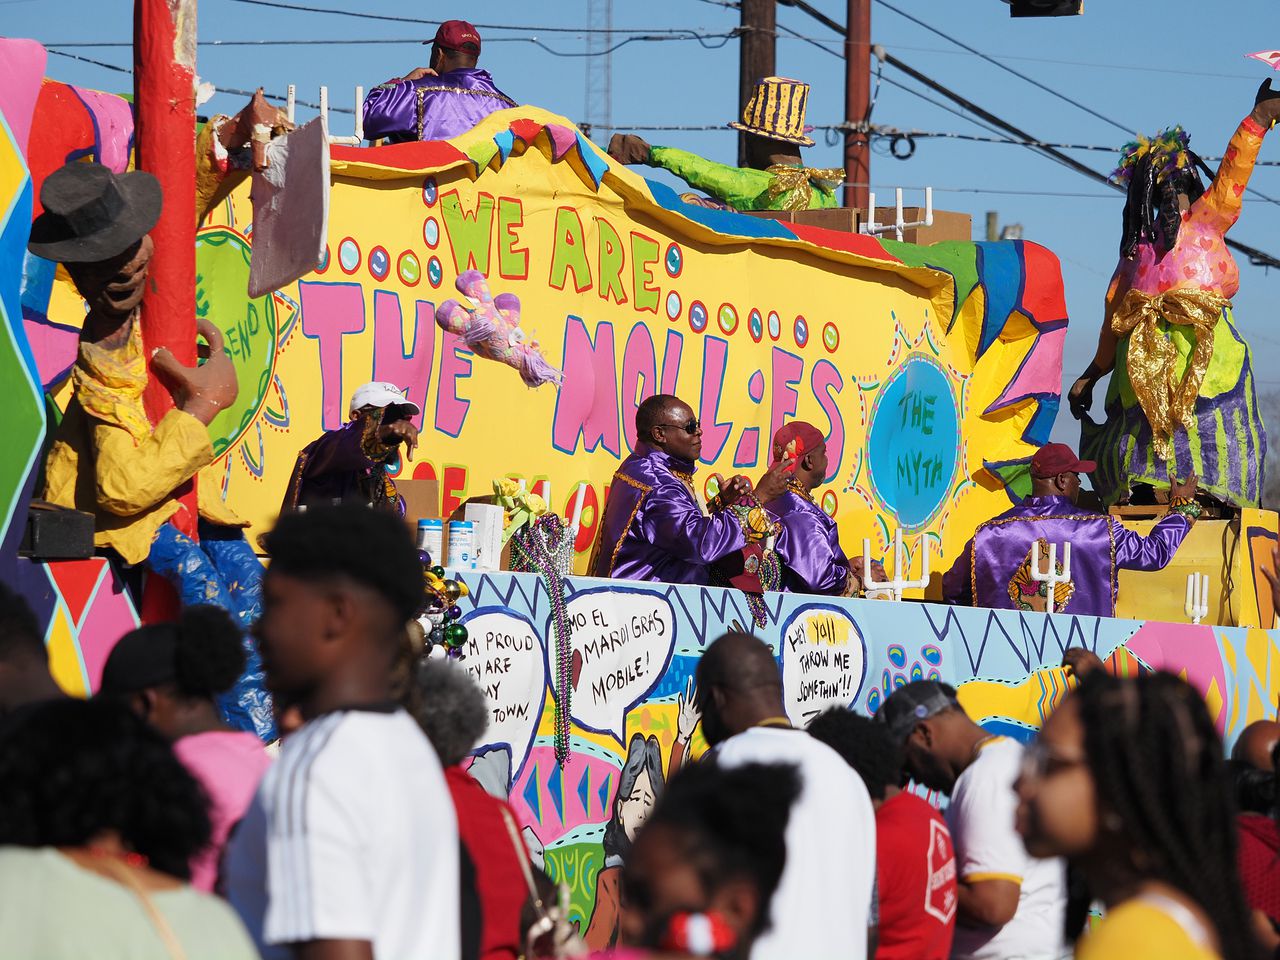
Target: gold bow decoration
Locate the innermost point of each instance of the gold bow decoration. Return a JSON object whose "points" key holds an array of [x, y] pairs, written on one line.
{"points": [[797, 183], [1152, 356]]}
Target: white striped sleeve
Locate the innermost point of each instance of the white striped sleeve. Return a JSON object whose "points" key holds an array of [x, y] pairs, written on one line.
{"points": [[316, 883]]}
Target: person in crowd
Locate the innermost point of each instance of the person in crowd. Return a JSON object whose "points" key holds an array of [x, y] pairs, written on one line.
{"points": [[350, 847], [656, 525], [1009, 905], [1126, 781], [451, 709], [99, 823], [352, 462], [107, 458], [1257, 743], [705, 868], [822, 907], [439, 101], [808, 544], [915, 863], [24, 659], [994, 569], [775, 177], [171, 675]]}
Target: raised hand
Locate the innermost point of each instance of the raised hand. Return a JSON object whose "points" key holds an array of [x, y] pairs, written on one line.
{"points": [[687, 713], [400, 431], [202, 390], [1266, 105], [628, 148], [1182, 488], [774, 483]]}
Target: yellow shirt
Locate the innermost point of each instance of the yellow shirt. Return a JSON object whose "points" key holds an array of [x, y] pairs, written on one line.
{"points": [[111, 464], [1139, 930]]}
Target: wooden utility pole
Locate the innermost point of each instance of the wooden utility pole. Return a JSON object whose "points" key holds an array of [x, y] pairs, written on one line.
{"points": [[757, 55], [164, 72], [857, 90]]}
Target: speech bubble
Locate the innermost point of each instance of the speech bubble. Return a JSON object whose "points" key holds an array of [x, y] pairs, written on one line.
{"points": [[504, 654], [622, 642], [824, 661]]}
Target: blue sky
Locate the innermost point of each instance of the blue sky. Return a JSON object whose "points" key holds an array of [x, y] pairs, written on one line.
{"points": [[1141, 63]]}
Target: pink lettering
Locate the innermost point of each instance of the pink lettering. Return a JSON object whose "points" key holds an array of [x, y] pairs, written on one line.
{"points": [[787, 371], [329, 312], [587, 404], [639, 378], [822, 380], [671, 361], [715, 354], [411, 371], [455, 365]]}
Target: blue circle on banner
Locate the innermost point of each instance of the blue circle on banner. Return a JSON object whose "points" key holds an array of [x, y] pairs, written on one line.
{"points": [[674, 261], [914, 441]]}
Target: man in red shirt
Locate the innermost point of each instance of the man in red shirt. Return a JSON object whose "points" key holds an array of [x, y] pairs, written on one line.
{"points": [[916, 866]]}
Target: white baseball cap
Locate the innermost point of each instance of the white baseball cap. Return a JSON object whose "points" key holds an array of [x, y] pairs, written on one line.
{"points": [[378, 394]]}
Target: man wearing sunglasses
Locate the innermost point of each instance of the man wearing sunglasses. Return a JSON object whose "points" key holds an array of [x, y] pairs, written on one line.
{"points": [[655, 525]]}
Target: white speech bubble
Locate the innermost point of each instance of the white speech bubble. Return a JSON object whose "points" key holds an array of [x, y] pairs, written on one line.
{"points": [[504, 655], [824, 661], [622, 642]]}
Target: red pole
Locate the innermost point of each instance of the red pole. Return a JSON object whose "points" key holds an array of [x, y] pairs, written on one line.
{"points": [[857, 95], [164, 72]]}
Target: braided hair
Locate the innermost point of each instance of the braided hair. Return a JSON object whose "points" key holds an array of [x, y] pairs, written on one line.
{"points": [[1157, 763], [1151, 213]]}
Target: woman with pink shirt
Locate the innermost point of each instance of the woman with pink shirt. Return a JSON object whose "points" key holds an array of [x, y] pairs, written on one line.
{"points": [[1181, 398], [171, 675]]}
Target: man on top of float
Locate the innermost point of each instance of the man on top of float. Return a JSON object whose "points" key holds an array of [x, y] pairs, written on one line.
{"points": [[437, 102], [808, 545], [994, 570], [656, 525], [351, 463]]}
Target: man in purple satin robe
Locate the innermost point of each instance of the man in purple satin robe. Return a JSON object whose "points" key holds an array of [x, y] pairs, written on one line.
{"points": [[440, 101], [809, 546], [655, 526], [994, 570], [350, 463]]}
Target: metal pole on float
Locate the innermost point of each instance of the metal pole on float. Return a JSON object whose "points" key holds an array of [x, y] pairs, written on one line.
{"points": [[164, 100]]}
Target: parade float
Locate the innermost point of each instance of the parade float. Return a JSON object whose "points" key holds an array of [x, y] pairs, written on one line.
{"points": [[934, 371]]}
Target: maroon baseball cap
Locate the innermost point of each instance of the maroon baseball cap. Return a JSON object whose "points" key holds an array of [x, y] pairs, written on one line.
{"points": [[457, 35], [1055, 458]]}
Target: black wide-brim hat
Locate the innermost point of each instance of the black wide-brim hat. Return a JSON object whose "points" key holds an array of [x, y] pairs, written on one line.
{"points": [[91, 214]]}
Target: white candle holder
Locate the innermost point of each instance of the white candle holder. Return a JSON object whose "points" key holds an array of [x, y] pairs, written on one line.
{"points": [[901, 582], [1051, 576], [1197, 603]]}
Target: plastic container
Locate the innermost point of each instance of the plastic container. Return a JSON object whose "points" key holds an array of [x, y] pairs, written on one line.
{"points": [[462, 545], [431, 538]]}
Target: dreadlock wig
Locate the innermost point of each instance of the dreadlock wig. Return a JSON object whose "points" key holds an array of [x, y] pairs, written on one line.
{"points": [[1155, 170], [1158, 767]]}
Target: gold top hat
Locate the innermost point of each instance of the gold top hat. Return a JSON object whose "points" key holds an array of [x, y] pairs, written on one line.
{"points": [[776, 111]]}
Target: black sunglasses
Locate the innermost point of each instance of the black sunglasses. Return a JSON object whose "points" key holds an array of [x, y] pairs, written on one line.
{"points": [[690, 428]]}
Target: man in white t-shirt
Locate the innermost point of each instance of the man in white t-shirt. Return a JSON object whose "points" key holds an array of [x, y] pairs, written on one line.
{"points": [[350, 848], [821, 909], [1011, 905]]}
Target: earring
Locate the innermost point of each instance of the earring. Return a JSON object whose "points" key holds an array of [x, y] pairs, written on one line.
{"points": [[698, 934]]}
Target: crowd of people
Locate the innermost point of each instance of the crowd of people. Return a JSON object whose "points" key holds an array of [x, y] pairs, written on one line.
{"points": [[136, 824]]}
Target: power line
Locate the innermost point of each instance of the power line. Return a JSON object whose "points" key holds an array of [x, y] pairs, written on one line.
{"points": [[1005, 67], [301, 8]]}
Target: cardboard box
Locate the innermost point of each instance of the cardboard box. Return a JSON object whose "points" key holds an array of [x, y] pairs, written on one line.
{"points": [[487, 516], [947, 225]]}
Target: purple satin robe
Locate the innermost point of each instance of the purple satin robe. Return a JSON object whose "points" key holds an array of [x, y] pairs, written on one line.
{"points": [[1100, 548], [335, 466], [812, 559], [653, 527], [432, 108]]}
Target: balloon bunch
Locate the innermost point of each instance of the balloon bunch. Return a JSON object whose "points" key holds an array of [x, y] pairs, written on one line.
{"points": [[440, 614]]}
